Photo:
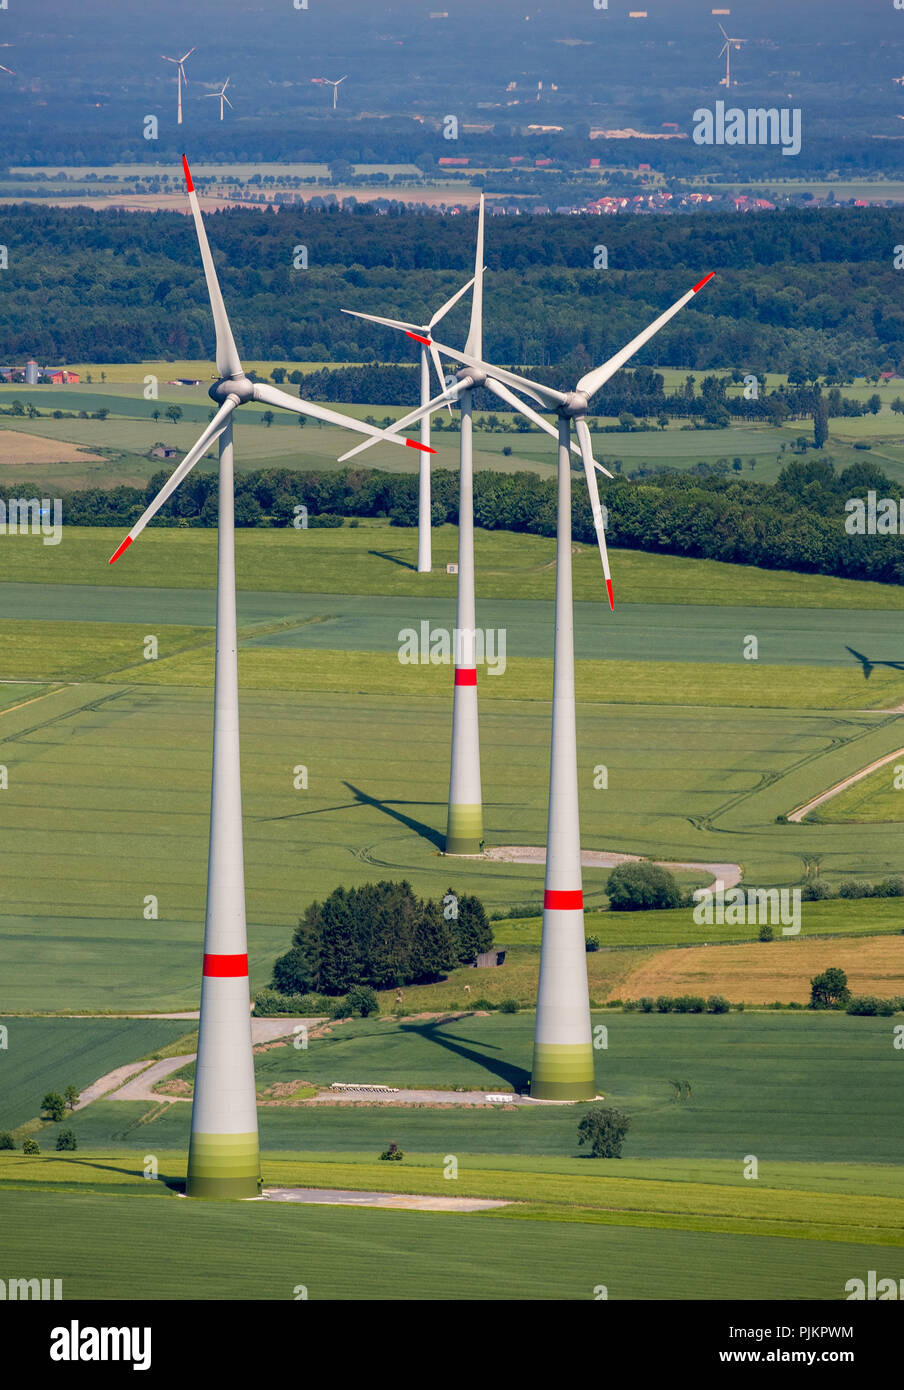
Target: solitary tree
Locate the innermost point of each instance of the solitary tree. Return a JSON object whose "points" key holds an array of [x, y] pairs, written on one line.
{"points": [[72, 1094], [829, 990], [604, 1130], [636, 886], [54, 1105]]}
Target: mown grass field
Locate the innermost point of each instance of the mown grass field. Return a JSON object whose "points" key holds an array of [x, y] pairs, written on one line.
{"points": [[873, 801], [376, 558], [43, 1055], [432, 1256], [678, 1217], [856, 917], [107, 803]]}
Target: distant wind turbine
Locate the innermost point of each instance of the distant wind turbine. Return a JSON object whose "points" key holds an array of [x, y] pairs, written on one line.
{"points": [[223, 97], [181, 77], [726, 49], [328, 82], [11, 71]]}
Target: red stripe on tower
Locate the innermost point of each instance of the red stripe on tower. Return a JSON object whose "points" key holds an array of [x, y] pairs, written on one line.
{"points": [[225, 967], [706, 279], [466, 675], [571, 898], [188, 181]]}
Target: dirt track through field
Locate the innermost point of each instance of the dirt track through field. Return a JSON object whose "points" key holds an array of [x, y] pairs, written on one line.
{"points": [[727, 874], [798, 815]]}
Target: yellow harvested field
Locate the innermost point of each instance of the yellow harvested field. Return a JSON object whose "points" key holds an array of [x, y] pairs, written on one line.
{"points": [[17, 449], [767, 972]]}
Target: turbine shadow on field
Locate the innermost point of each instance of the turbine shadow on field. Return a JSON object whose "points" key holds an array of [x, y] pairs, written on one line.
{"points": [[869, 666], [384, 555], [138, 1172], [426, 832], [516, 1077]]}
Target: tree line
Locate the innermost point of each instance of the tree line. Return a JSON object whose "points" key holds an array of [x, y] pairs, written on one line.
{"points": [[816, 288]]}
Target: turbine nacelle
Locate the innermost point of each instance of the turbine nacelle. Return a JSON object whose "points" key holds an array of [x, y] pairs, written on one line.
{"points": [[470, 377], [575, 405], [238, 386]]}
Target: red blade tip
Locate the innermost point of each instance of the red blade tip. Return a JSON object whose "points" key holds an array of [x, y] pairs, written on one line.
{"points": [[187, 172], [118, 551], [703, 282], [611, 596], [418, 338], [424, 448]]}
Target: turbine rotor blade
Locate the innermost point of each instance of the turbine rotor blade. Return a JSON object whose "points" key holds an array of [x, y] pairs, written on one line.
{"points": [[272, 396], [213, 431], [591, 382], [449, 304], [511, 399], [474, 345], [387, 323], [544, 395], [411, 419], [595, 508], [438, 368], [228, 360]]}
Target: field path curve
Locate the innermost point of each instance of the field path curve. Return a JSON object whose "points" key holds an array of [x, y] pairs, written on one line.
{"points": [[798, 814], [726, 874]]}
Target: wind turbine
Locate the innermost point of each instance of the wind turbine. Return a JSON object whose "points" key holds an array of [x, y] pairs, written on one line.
{"points": [[223, 97], [224, 1154], [181, 77], [563, 1051], [726, 49], [421, 334], [464, 825], [11, 71], [326, 81]]}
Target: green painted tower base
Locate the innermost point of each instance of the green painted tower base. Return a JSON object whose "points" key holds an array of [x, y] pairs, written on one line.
{"points": [[563, 1072], [223, 1165], [464, 830]]}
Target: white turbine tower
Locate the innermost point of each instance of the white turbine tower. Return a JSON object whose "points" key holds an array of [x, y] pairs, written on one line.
{"points": [[180, 78], [421, 333], [224, 1155], [327, 82], [563, 1051], [223, 97], [726, 49], [464, 824]]}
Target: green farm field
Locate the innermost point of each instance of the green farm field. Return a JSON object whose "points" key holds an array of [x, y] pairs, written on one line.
{"points": [[827, 1197], [377, 558], [107, 753], [109, 785], [43, 1055], [433, 1255], [875, 800], [129, 432]]}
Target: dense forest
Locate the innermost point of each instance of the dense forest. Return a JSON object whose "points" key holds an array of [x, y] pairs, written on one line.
{"points": [[815, 288], [798, 523]]}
